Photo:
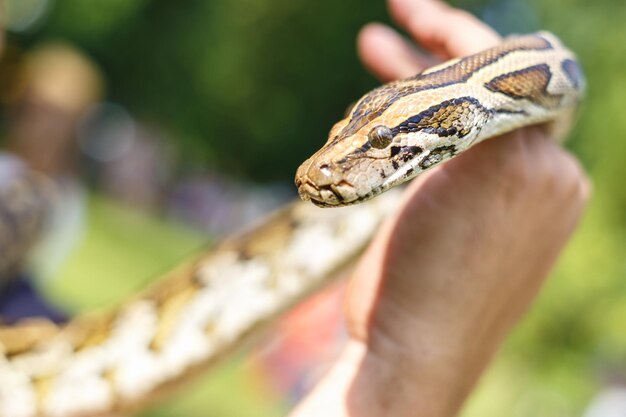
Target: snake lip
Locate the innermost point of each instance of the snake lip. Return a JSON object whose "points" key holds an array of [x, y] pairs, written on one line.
{"points": [[309, 191], [333, 189], [320, 203], [340, 199]]}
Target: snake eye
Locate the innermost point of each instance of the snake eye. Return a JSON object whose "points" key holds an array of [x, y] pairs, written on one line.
{"points": [[380, 137]]}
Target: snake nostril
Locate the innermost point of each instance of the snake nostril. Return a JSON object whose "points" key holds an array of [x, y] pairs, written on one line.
{"points": [[325, 169]]}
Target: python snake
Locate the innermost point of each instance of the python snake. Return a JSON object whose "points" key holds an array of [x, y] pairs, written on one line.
{"points": [[118, 360]]}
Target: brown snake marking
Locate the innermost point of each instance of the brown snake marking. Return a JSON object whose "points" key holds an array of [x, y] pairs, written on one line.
{"points": [[381, 98], [529, 83], [444, 119]]}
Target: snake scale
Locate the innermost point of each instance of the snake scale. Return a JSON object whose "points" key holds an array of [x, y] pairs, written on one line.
{"points": [[120, 359]]}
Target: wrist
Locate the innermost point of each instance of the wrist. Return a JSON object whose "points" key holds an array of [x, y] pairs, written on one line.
{"points": [[422, 365], [387, 381]]}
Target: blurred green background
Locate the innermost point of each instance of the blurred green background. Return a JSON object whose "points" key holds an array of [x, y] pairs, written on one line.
{"points": [[249, 88]]}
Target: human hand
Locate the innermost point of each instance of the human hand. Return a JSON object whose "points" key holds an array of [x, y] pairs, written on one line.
{"points": [[464, 256]]}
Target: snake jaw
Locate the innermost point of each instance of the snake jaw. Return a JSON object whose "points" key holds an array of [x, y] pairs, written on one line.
{"points": [[323, 184], [305, 190], [327, 195]]}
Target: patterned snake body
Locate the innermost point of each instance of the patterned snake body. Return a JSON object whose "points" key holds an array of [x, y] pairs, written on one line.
{"points": [[117, 360]]}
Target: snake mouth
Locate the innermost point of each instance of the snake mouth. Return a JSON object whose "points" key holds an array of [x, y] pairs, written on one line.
{"points": [[327, 195], [306, 190]]}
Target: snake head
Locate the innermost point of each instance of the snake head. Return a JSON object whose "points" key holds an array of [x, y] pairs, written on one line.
{"points": [[387, 139], [403, 128]]}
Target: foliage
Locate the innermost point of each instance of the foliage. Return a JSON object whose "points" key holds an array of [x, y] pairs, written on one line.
{"points": [[233, 80]]}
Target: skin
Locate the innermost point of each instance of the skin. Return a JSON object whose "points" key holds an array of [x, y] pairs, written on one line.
{"points": [[460, 263]]}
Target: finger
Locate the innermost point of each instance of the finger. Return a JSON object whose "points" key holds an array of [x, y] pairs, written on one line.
{"points": [[444, 30], [388, 55]]}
